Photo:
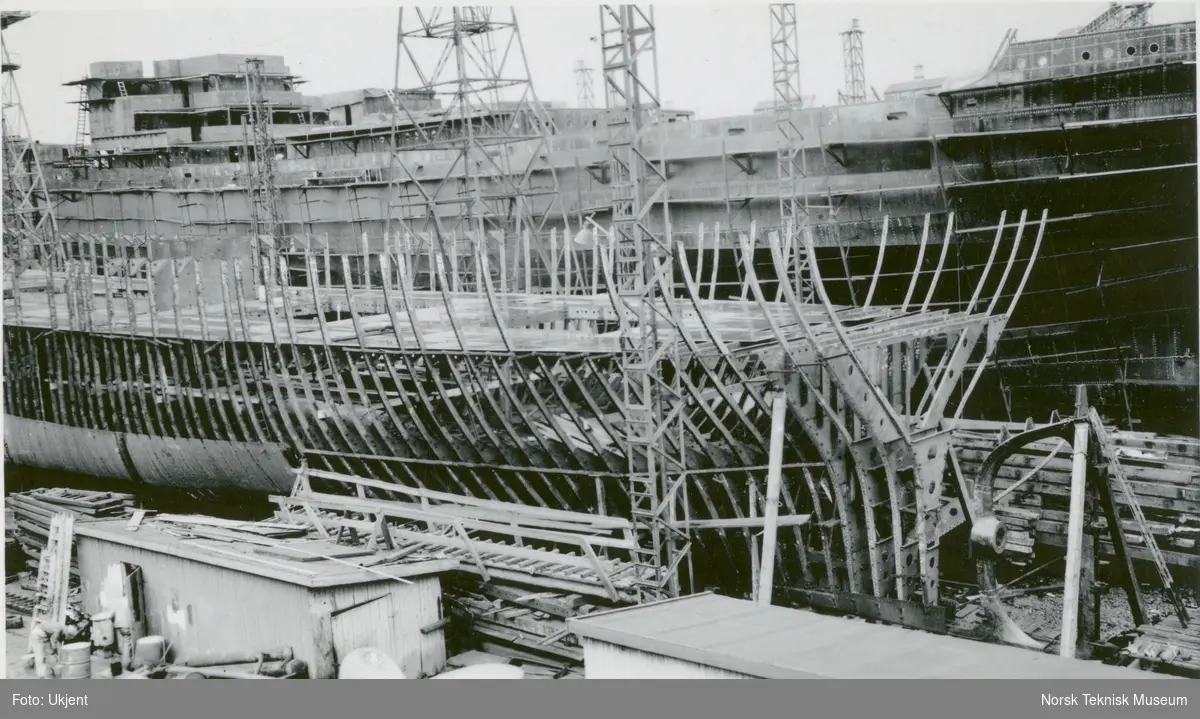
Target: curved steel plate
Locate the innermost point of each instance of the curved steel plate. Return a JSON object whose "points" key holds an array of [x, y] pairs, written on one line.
{"points": [[46, 445], [203, 464]]}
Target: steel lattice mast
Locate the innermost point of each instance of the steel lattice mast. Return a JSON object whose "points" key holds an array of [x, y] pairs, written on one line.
{"points": [[789, 157], [583, 85], [266, 225], [27, 203], [645, 288], [492, 123], [852, 60]]}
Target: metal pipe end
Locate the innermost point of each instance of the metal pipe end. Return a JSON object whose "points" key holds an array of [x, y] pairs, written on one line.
{"points": [[990, 534]]}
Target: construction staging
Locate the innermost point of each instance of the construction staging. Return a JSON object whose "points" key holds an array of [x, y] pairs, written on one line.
{"points": [[496, 413]]}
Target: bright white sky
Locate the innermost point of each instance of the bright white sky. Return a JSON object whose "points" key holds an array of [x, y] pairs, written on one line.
{"points": [[713, 58]]}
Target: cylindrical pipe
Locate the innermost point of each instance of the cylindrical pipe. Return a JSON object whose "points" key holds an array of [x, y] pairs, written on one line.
{"points": [[771, 510], [216, 659], [988, 533], [1070, 617]]}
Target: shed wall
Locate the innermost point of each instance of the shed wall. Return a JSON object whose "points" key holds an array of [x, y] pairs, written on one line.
{"points": [[392, 622], [602, 660], [203, 608]]}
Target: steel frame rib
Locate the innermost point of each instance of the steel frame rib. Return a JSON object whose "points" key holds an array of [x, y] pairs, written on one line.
{"points": [[517, 396]]}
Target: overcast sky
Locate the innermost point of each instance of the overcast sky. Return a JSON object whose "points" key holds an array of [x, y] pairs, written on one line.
{"points": [[713, 58]]}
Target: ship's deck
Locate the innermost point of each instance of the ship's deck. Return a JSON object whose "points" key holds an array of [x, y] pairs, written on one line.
{"points": [[473, 322]]}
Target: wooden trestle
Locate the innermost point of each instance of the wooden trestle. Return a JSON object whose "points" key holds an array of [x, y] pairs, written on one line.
{"points": [[506, 390]]}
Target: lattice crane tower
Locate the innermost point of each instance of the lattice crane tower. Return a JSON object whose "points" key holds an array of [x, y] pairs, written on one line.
{"points": [[497, 132], [27, 203], [789, 157], [266, 224], [583, 85], [852, 60], [644, 276]]}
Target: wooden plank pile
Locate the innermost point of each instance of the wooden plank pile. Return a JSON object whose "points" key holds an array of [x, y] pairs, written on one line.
{"points": [[532, 669], [1167, 647], [522, 624], [32, 513], [227, 530], [1033, 490]]}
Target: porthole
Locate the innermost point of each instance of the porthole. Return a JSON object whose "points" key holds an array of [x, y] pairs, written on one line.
{"points": [[1154, 47], [1043, 61], [1108, 53], [1131, 50], [1086, 55], [1021, 64]]}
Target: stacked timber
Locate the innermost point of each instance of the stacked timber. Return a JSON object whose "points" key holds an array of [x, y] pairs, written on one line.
{"points": [[1033, 490], [32, 512], [227, 530], [1167, 647], [521, 623]]}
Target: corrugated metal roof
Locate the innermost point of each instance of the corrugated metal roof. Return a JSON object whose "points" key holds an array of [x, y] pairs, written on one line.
{"points": [[780, 643]]}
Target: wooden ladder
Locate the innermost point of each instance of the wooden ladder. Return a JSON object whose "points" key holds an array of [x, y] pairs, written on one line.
{"points": [[53, 582], [1118, 475], [81, 123]]}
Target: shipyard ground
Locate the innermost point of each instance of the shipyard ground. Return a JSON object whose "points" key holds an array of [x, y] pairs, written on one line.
{"points": [[1032, 599], [16, 648], [1039, 612]]}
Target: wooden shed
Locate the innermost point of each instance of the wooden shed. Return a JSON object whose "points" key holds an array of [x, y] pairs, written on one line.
{"points": [[207, 596], [706, 636]]}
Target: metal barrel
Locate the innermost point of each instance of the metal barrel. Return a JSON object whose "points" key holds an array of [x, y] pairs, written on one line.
{"points": [[76, 661], [149, 651]]}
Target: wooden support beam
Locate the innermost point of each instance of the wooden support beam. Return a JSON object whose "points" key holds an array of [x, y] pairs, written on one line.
{"points": [[766, 581], [751, 522], [409, 512], [1089, 609], [1071, 591]]}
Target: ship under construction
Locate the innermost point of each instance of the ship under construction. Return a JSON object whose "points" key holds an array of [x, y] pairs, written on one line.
{"points": [[808, 313]]}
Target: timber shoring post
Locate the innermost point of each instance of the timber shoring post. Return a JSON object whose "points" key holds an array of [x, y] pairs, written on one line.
{"points": [[1071, 590], [1077, 590], [771, 509]]}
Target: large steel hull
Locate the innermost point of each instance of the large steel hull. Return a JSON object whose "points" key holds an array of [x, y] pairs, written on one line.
{"points": [[519, 396], [1111, 154]]}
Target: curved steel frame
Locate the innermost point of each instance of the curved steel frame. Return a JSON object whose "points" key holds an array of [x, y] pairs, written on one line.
{"points": [[514, 396]]}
